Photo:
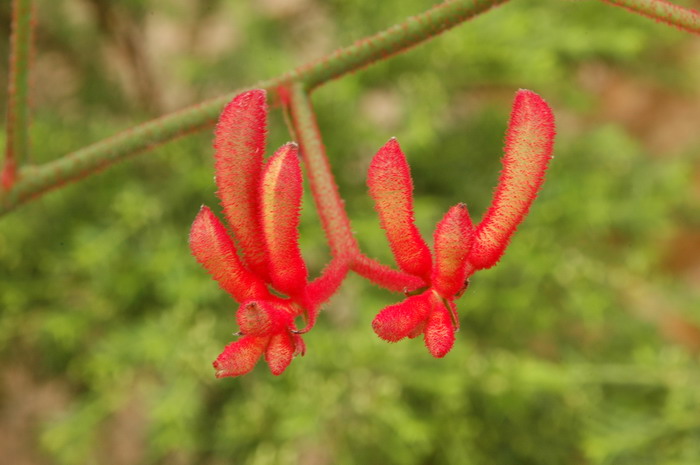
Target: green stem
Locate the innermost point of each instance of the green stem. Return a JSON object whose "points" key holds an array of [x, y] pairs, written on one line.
{"points": [[18, 92], [394, 40], [686, 19], [329, 204]]}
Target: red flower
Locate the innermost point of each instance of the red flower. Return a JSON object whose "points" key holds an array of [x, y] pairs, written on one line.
{"points": [[261, 204], [460, 249]]}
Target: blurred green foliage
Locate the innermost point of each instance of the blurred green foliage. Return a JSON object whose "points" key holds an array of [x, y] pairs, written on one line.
{"points": [[577, 348]]}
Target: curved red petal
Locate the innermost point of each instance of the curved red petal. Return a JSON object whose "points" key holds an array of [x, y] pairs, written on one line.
{"points": [[280, 352], [453, 236], [398, 321], [280, 197], [391, 187], [528, 149], [439, 331], [239, 144], [214, 249], [240, 357]]}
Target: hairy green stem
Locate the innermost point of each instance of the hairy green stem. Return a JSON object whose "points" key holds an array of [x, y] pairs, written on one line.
{"points": [[413, 31], [329, 204], [18, 92], [686, 19], [396, 39]]}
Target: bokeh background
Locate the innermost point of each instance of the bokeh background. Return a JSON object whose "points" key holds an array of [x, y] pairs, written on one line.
{"points": [[580, 347]]}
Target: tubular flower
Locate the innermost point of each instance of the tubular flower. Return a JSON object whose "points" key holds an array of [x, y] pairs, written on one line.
{"points": [[261, 204], [460, 249]]}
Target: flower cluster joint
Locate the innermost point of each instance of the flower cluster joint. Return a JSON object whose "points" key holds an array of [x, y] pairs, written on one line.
{"points": [[261, 204], [460, 248]]}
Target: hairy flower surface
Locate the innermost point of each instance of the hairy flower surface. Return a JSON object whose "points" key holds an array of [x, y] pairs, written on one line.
{"points": [[460, 249], [261, 203]]}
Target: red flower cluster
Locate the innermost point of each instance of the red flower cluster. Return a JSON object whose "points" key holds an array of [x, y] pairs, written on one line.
{"points": [[460, 248], [261, 204], [269, 278]]}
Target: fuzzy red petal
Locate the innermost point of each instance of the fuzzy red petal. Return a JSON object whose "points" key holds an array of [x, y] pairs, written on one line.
{"points": [[528, 149], [261, 317], [398, 321], [418, 330], [453, 236], [439, 331], [281, 191], [391, 187], [240, 357], [240, 145], [280, 352], [214, 249]]}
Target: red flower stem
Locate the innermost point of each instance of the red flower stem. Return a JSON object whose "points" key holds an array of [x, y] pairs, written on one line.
{"points": [[36, 180], [385, 276], [18, 92], [323, 187], [329, 204], [686, 19]]}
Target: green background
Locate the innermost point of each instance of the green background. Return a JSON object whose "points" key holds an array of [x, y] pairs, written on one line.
{"points": [[580, 347]]}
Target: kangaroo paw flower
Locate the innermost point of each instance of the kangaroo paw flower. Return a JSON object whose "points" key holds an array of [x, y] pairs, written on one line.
{"points": [[261, 204], [460, 249]]}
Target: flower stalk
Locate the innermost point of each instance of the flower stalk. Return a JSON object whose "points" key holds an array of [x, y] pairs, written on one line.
{"points": [[330, 205]]}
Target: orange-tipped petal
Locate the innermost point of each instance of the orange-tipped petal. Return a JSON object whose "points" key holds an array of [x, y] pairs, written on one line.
{"points": [[528, 149], [398, 321], [453, 237], [261, 317], [214, 249], [391, 187], [280, 352], [439, 331], [240, 357], [239, 142], [281, 190]]}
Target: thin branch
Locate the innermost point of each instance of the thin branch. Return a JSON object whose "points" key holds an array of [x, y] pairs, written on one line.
{"points": [[86, 161], [18, 92], [685, 19], [397, 39]]}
